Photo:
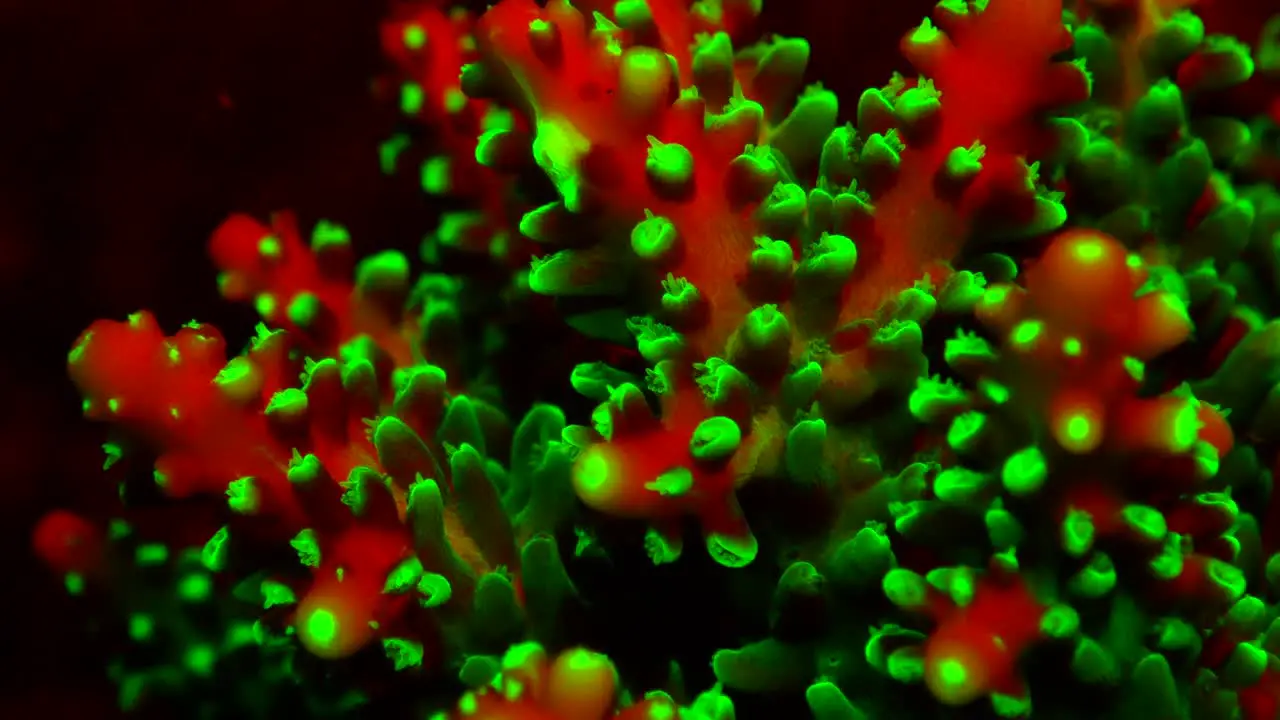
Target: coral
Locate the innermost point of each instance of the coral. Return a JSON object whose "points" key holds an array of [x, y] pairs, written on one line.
{"points": [[979, 390]]}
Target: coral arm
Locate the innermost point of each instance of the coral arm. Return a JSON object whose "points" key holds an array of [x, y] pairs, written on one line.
{"points": [[182, 394], [973, 651], [308, 289], [577, 684]]}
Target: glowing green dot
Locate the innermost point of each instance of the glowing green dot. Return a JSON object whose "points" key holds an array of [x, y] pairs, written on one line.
{"points": [[151, 554], [270, 247], [141, 627], [200, 659], [952, 673], [1186, 428], [1025, 471], [412, 98], [594, 473], [1089, 251], [1072, 347], [1025, 334], [435, 175], [195, 587], [322, 627], [414, 37]]}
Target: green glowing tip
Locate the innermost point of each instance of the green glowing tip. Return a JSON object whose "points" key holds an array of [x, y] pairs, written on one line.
{"points": [[1025, 334], [414, 37], [308, 547], [1077, 532], [654, 237], [669, 164], [242, 496], [436, 175], [715, 439], [276, 593], [214, 554], [195, 587], [200, 659], [1089, 251], [151, 554], [412, 98], [1072, 347], [1025, 471], [1146, 521], [1077, 432], [594, 473], [322, 627], [403, 653], [672, 483], [141, 627], [952, 673], [1186, 428], [270, 247], [583, 660]]}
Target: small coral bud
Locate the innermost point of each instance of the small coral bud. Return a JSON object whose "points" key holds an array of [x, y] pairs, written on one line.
{"points": [[1025, 472], [812, 119], [782, 213], [906, 589], [762, 343], [1175, 38], [545, 223], [1153, 687], [1159, 114], [682, 304], [581, 684], [333, 618], [751, 177], [1145, 524], [502, 150], [1003, 528], [828, 264], [1096, 579], [574, 272], [805, 447], [769, 271], [934, 399], [780, 71], [836, 163], [1077, 421], [926, 47], [545, 41], [644, 82], [875, 113], [655, 341], [713, 69], [1220, 63], [669, 167], [962, 166], [1093, 664], [594, 380], [655, 239]]}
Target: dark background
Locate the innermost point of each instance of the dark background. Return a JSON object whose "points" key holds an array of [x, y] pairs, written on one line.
{"points": [[128, 130]]}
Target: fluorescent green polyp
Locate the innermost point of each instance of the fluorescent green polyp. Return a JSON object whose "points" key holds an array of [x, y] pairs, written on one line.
{"points": [[669, 164], [654, 238], [715, 439], [1025, 471], [557, 148]]}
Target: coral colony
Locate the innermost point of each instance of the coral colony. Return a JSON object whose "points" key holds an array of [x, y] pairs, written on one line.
{"points": [[969, 406]]}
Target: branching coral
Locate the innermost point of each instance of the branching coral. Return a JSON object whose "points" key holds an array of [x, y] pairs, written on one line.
{"points": [[984, 380]]}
